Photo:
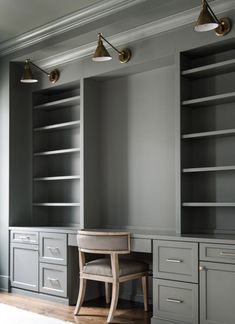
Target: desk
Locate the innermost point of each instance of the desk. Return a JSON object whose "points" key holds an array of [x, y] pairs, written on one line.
{"points": [[176, 260]]}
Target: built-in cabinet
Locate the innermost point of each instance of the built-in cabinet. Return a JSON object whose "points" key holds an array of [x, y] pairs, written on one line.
{"points": [[217, 283], [175, 283], [57, 149], [43, 263], [207, 140]]}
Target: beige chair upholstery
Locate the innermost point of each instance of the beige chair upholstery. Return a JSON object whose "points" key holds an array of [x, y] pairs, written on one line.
{"points": [[109, 270]]}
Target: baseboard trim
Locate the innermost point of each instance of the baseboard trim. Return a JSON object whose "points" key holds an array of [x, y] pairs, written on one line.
{"points": [[61, 300], [4, 283]]}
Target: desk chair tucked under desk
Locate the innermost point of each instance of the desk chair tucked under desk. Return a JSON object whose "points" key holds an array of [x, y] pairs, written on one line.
{"points": [[109, 270]]}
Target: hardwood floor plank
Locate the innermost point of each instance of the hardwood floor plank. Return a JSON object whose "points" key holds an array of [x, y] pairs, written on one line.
{"points": [[93, 312]]}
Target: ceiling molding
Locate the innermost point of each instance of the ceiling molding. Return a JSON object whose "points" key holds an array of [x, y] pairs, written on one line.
{"points": [[136, 34], [64, 24]]}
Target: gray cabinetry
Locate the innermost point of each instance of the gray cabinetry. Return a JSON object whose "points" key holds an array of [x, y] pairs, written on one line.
{"points": [[176, 300], [176, 261], [53, 248], [217, 287], [49, 267], [53, 279], [217, 283], [175, 283], [24, 266], [207, 141]]}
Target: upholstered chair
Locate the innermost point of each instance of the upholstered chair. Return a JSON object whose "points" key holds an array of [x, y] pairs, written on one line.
{"points": [[110, 270]]}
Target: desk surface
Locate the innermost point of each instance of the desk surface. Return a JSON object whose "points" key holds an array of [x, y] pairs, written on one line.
{"points": [[138, 233]]}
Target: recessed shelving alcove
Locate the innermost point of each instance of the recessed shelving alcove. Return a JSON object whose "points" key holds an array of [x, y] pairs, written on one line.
{"points": [[208, 140], [57, 156]]}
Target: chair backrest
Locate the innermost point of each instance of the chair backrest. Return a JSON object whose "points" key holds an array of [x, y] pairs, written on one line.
{"points": [[103, 242]]}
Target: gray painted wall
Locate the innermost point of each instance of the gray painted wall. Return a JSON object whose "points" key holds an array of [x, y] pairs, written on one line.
{"points": [[137, 145]]}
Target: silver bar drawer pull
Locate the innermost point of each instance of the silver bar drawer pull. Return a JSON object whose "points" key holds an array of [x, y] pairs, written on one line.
{"points": [[228, 254], [175, 301], [53, 279], [23, 237], [174, 261]]}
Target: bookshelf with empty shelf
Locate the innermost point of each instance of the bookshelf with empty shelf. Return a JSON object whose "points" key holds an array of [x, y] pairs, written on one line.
{"points": [[207, 141], [57, 172]]}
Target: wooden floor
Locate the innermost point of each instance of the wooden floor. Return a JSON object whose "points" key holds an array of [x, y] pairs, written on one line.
{"points": [[93, 312]]}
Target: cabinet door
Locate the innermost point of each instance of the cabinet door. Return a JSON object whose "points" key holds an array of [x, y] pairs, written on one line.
{"points": [[217, 289], [24, 266]]}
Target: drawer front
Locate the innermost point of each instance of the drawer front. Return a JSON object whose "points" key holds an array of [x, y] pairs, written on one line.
{"points": [[53, 248], [175, 260], [175, 301], [141, 245], [53, 279], [217, 252], [24, 237]]}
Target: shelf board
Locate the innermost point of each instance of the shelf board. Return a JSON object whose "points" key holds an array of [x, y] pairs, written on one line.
{"points": [[55, 152], [211, 100], [57, 178], [57, 204], [61, 126], [225, 132], [210, 69], [62, 103], [209, 204], [209, 169]]}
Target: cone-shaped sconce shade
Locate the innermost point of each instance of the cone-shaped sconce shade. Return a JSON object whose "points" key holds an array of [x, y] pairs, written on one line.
{"points": [[101, 54], [206, 21], [27, 76]]}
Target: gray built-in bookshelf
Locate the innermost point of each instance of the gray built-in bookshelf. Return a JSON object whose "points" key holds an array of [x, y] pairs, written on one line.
{"points": [[57, 156], [208, 140]]}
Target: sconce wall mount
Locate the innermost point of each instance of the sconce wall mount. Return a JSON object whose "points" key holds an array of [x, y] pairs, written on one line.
{"points": [[101, 54], [28, 77]]}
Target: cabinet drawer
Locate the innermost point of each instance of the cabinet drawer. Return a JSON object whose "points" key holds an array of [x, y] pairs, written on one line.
{"points": [[53, 248], [217, 252], [141, 245], [53, 279], [24, 237], [175, 260], [175, 301]]}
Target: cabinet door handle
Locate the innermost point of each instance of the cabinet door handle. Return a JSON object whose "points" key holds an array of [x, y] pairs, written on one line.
{"points": [[53, 249], [175, 301], [53, 279], [228, 254], [23, 237], [174, 261]]}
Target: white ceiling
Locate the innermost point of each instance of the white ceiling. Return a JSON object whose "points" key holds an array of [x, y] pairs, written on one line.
{"points": [[20, 16]]}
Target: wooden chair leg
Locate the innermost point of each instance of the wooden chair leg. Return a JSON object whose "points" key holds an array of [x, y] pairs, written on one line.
{"points": [[145, 292], [114, 301], [81, 295], [107, 293]]}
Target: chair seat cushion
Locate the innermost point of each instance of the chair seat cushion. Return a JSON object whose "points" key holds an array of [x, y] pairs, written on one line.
{"points": [[102, 267]]}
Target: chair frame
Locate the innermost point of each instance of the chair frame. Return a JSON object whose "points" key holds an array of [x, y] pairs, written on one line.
{"points": [[115, 279]]}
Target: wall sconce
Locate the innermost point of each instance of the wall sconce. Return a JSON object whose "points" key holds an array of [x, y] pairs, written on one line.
{"points": [[28, 77], [102, 55], [207, 20]]}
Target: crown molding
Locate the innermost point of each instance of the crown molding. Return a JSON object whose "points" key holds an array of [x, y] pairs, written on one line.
{"points": [[136, 34], [64, 24]]}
